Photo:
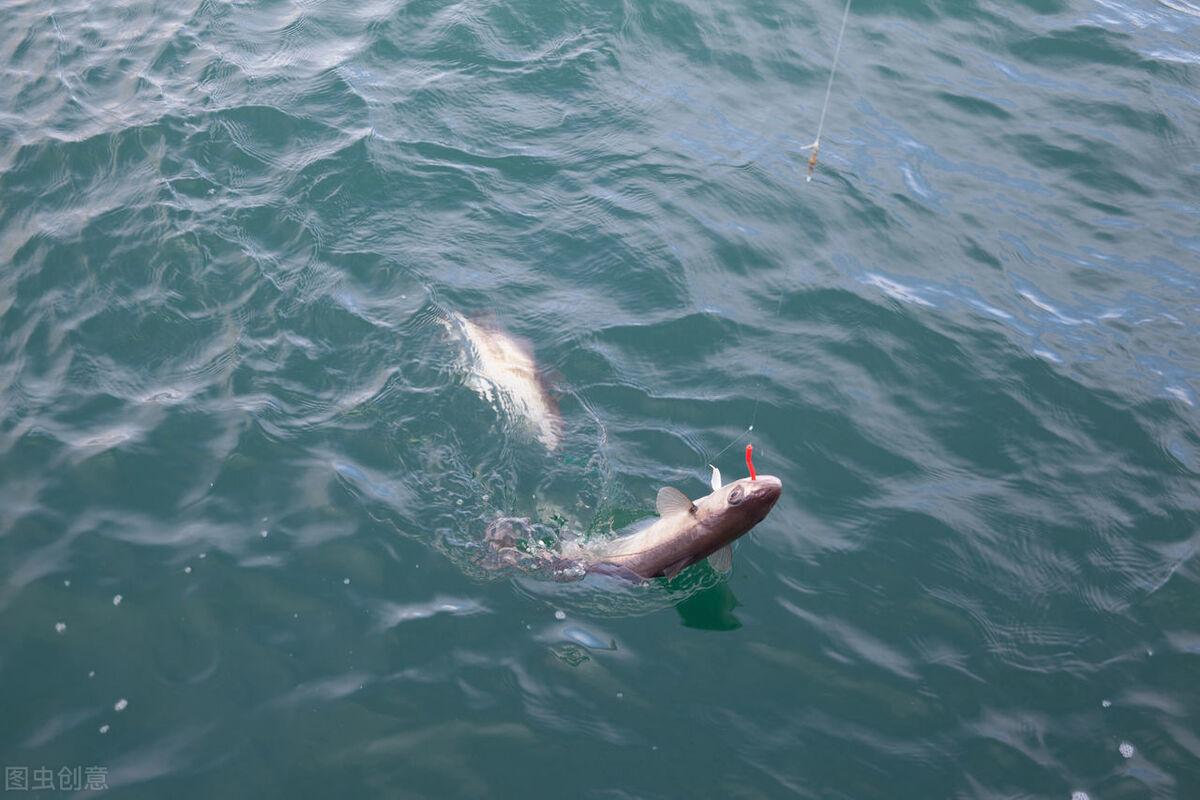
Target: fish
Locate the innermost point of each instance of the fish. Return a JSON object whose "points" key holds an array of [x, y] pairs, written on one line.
{"points": [[686, 531], [502, 370]]}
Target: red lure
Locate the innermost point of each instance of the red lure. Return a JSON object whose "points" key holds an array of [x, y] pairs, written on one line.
{"points": [[750, 461]]}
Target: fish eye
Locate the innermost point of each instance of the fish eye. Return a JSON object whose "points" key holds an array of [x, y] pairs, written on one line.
{"points": [[736, 496]]}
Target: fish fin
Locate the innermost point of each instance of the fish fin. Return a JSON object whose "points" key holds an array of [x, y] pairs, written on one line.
{"points": [[670, 572], [672, 501], [716, 478], [722, 560]]}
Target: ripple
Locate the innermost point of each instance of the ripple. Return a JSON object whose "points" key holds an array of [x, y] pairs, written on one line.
{"points": [[393, 614]]}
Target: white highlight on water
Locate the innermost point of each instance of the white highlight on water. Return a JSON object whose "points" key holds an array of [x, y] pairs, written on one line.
{"points": [[121, 705]]}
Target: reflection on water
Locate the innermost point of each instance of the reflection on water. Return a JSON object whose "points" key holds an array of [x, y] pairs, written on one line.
{"points": [[710, 609]]}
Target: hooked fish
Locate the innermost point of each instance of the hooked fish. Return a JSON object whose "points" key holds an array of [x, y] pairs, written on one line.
{"points": [[685, 532], [503, 372]]}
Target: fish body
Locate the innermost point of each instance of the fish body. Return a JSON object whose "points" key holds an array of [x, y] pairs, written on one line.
{"points": [[501, 369], [685, 532]]}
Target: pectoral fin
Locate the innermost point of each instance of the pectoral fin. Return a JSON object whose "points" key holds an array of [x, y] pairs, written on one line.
{"points": [[716, 478], [722, 560], [672, 501]]}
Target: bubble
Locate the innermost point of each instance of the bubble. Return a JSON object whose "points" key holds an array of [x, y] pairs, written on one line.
{"points": [[1079, 796], [91, 673], [1106, 703], [66, 583], [1126, 749], [117, 599], [263, 533], [187, 570], [560, 615], [60, 627], [620, 695], [346, 581], [204, 555], [121, 705], [104, 728]]}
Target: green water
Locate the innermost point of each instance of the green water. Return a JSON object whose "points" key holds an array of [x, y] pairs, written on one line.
{"points": [[229, 234]]}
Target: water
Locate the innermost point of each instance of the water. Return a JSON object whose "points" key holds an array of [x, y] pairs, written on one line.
{"points": [[969, 349]]}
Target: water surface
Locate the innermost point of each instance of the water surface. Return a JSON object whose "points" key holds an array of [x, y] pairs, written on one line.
{"points": [[243, 478]]}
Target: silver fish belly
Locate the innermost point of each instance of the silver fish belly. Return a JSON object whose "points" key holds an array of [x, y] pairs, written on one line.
{"points": [[502, 371]]}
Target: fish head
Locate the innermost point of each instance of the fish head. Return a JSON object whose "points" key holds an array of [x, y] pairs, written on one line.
{"points": [[737, 507]]}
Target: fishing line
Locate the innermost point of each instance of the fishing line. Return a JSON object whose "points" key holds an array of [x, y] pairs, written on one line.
{"points": [[757, 400], [815, 147], [837, 52]]}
